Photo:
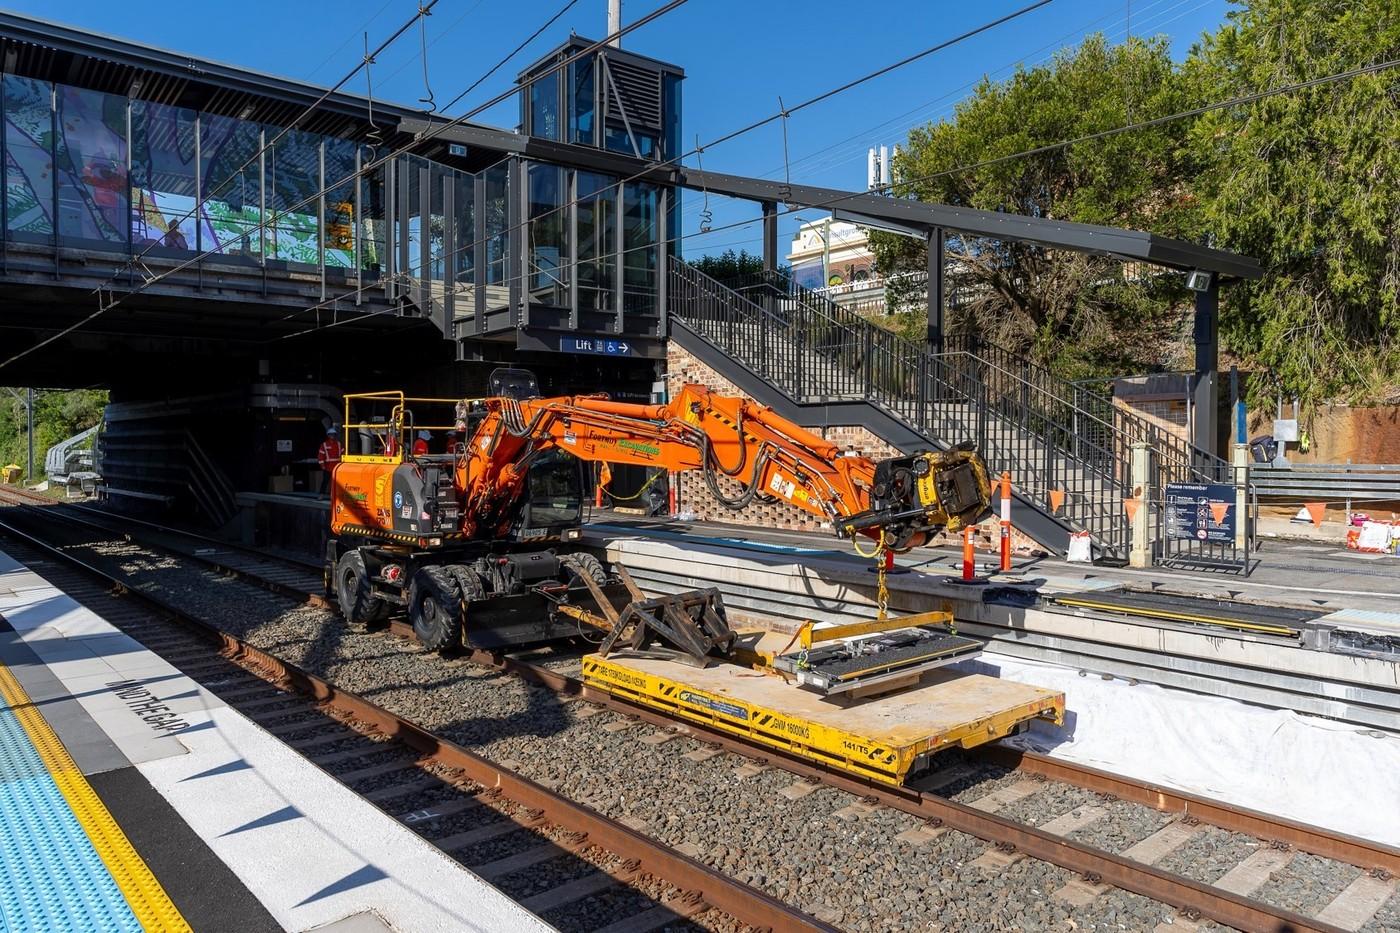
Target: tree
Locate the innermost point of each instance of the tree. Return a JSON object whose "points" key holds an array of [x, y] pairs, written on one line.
{"points": [[57, 417], [1069, 310], [729, 265], [1308, 182]]}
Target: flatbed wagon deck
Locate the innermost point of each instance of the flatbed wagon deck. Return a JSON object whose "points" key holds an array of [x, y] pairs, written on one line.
{"points": [[883, 738]]}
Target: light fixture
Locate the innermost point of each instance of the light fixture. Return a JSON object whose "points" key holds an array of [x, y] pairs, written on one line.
{"points": [[1199, 281]]}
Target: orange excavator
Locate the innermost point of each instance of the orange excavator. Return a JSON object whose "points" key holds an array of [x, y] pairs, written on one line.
{"points": [[481, 543]]}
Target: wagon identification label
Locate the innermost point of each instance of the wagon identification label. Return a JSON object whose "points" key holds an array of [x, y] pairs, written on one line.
{"points": [[716, 705]]}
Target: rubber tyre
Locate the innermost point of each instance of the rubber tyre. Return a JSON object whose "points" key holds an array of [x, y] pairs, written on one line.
{"points": [[353, 591], [472, 588], [581, 564], [435, 608]]}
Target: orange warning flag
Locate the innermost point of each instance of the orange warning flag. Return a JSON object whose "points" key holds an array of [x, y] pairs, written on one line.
{"points": [[1316, 510], [605, 474], [1057, 499], [1132, 506], [1218, 511]]}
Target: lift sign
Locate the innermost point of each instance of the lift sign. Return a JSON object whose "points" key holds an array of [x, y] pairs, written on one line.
{"points": [[605, 347]]}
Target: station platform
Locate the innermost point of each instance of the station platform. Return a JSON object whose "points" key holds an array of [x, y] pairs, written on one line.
{"points": [[1310, 632], [133, 799]]}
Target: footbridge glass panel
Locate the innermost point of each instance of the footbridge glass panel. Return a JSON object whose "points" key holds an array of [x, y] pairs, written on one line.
{"points": [[29, 173], [164, 178], [231, 174], [90, 155]]}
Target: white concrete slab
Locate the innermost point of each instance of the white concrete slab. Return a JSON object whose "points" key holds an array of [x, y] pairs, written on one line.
{"points": [[326, 854]]}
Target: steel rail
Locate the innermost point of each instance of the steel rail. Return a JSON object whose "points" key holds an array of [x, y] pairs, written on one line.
{"points": [[1194, 897], [1354, 850], [1094, 864], [703, 887]]}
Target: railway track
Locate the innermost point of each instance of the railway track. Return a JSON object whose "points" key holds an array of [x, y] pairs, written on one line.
{"points": [[946, 800], [574, 867]]}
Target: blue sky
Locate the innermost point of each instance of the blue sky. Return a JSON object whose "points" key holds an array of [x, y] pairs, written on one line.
{"points": [[739, 58]]}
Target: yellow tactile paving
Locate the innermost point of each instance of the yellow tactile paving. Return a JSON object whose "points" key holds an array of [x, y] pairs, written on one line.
{"points": [[144, 894]]}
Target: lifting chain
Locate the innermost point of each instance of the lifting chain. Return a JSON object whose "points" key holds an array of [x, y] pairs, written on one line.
{"points": [[882, 593]]}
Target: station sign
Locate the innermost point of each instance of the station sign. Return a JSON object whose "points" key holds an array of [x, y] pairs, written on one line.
{"points": [[1201, 512], [599, 345]]}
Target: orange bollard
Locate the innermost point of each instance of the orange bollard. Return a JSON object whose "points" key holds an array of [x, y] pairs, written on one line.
{"points": [[889, 559], [1005, 522], [969, 559], [598, 496]]}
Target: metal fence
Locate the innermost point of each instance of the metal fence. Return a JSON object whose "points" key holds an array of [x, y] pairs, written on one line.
{"points": [[1331, 483]]}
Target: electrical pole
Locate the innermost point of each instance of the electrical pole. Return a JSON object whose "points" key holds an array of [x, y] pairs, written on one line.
{"points": [[615, 21], [29, 404]]}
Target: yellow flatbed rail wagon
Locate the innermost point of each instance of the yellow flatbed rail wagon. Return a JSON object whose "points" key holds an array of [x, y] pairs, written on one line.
{"points": [[882, 738]]}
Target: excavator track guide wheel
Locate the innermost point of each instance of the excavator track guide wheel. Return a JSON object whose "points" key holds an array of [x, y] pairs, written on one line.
{"points": [[435, 608], [355, 594]]}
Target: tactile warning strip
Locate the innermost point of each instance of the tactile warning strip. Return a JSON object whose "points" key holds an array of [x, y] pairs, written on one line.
{"points": [[65, 864]]}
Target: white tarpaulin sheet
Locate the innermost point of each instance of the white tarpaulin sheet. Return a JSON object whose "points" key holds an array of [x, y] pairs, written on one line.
{"points": [[1329, 774]]}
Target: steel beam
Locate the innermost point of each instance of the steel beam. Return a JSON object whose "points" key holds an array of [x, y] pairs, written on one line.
{"points": [[937, 299], [1205, 382]]}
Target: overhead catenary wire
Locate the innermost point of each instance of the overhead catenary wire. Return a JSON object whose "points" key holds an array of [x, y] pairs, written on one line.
{"points": [[701, 148], [1195, 111]]}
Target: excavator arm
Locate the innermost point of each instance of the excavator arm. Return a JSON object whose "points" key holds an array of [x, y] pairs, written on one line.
{"points": [[745, 452]]}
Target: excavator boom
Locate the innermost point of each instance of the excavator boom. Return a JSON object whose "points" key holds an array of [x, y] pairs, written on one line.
{"points": [[745, 452]]}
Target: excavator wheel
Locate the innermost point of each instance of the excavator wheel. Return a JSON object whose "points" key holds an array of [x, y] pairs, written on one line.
{"points": [[435, 608], [581, 564], [358, 604], [471, 588]]}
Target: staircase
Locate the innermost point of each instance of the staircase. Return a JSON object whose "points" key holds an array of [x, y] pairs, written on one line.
{"points": [[817, 362]]}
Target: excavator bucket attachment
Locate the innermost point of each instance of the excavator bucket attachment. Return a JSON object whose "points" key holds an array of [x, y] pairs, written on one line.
{"points": [[688, 627]]}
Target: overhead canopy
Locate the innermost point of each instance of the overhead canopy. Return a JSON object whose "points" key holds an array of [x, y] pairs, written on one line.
{"points": [[905, 215]]}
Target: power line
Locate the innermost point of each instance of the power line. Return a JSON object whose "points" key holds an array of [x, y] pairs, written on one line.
{"points": [[782, 113], [1219, 105], [1156, 121]]}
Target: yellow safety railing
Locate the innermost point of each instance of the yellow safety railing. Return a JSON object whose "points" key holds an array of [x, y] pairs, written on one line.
{"points": [[398, 426]]}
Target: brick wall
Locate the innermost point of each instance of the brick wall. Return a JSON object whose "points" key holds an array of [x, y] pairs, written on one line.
{"points": [[693, 494]]}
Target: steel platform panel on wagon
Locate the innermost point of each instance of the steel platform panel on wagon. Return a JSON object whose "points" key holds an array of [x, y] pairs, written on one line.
{"points": [[882, 738]]}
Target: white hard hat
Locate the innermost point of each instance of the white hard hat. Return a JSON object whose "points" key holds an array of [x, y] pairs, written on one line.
{"points": [[330, 432], [424, 436]]}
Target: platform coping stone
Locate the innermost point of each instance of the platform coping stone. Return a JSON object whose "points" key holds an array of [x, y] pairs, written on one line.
{"points": [[1251, 874], [1003, 796], [1072, 821], [797, 790], [1160, 844], [1357, 904]]}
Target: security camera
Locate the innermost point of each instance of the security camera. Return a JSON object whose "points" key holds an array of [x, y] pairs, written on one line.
{"points": [[1198, 281]]}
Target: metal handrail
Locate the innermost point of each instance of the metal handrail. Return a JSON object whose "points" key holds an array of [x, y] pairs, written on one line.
{"points": [[811, 351]]}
